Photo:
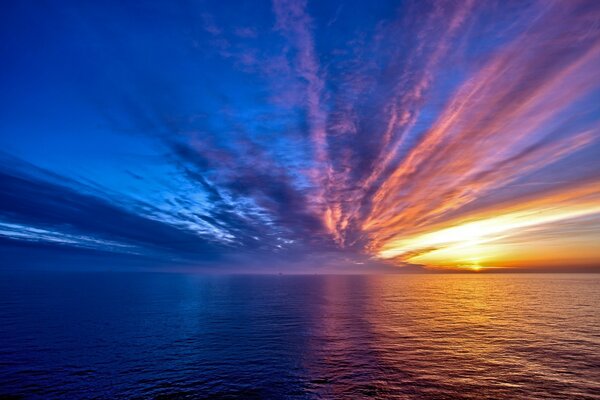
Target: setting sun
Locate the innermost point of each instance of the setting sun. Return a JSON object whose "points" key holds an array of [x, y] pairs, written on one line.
{"points": [[486, 236]]}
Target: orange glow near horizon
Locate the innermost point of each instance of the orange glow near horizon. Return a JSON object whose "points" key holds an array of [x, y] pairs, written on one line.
{"points": [[503, 236]]}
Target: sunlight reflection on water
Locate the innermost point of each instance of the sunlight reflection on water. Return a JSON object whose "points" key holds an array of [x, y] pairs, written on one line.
{"points": [[411, 336]]}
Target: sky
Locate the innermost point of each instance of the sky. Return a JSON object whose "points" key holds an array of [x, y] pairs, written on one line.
{"points": [[300, 136]]}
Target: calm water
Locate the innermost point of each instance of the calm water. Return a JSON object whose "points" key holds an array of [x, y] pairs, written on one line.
{"points": [[418, 336]]}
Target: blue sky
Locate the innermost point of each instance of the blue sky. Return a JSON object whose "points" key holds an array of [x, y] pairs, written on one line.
{"points": [[300, 136]]}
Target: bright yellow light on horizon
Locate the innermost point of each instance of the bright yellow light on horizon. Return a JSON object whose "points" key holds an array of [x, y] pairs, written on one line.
{"points": [[467, 243]]}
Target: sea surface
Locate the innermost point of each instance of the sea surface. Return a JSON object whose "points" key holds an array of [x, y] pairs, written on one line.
{"points": [[172, 336]]}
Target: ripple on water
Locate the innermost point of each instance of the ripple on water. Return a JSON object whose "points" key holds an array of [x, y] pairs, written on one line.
{"points": [[159, 336]]}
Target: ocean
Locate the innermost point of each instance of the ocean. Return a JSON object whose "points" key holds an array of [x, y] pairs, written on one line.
{"points": [[177, 336]]}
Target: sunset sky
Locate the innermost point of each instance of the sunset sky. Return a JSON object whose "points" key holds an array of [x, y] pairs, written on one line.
{"points": [[291, 136]]}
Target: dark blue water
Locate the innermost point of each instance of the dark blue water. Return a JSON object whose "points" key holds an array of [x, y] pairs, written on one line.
{"points": [[72, 336]]}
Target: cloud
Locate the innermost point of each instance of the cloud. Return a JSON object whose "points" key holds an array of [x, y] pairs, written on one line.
{"points": [[38, 210]]}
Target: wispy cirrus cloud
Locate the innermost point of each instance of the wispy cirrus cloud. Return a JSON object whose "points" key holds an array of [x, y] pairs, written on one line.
{"points": [[506, 121]]}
